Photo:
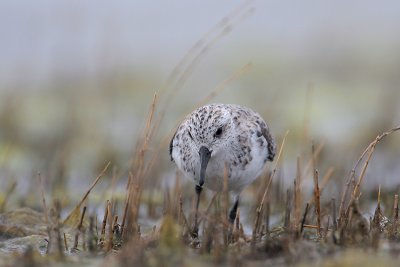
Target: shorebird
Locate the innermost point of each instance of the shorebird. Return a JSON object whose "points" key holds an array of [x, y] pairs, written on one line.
{"points": [[222, 138]]}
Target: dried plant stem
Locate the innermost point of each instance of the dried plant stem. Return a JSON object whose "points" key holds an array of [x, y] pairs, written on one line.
{"points": [[287, 224], [297, 196], [124, 215], [356, 194], [317, 202], [77, 207], [303, 221], [261, 205], [65, 242], [79, 228], [323, 184], [109, 244], [103, 228], [361, 177], [395, 216]]}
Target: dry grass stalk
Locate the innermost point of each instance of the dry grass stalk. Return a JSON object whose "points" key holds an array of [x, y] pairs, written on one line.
{"points": [[177, 193], [124, 215], [327, 226], [287, 223], [103, 228], [113, 232], [395, 216], [376, 221], [297, 196], [109, 242], [65, 243], [139, 166], [323, 183], [303, 221], [355, 194], [237, 221], [79, 228], [210, 205], [261, 205], [267, 216], [317, 202], [77, 208], [139, 169]]}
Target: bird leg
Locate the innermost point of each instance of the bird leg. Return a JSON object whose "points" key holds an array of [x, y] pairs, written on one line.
{"points": [[232, 217], [195, 231], [233, 211]]}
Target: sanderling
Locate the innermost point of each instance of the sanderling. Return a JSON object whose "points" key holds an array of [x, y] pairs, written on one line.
{"points": [[222, 138]]}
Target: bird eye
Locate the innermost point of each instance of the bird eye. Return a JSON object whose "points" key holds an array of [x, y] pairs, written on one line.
{"points": [[218, 132]]}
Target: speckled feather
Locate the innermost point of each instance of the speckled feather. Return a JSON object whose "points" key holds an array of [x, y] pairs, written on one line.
{"points": [[238, 138]]}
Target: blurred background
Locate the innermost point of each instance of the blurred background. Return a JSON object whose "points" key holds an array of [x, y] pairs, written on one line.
{"points": [[77, 79]]}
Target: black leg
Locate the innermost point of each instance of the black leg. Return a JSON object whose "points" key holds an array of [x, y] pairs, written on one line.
{"points": [[233, 211], [232, 218], [195, 232]]}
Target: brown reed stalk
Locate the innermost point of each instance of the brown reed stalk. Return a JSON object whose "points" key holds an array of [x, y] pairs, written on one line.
{"points": [[124, 215], [103, 228], [261, 204], [109, 244], [355, 194], [78, 229], [327, 226], [112, 231], [317, 202], [65, 243], [297, 196], [287, 223], [77, 208], [323, 183], [303, 221], [377, 214], [395, 216]]}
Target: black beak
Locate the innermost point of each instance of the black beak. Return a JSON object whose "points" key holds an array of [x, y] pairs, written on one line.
{"points": [[205, 155]]}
